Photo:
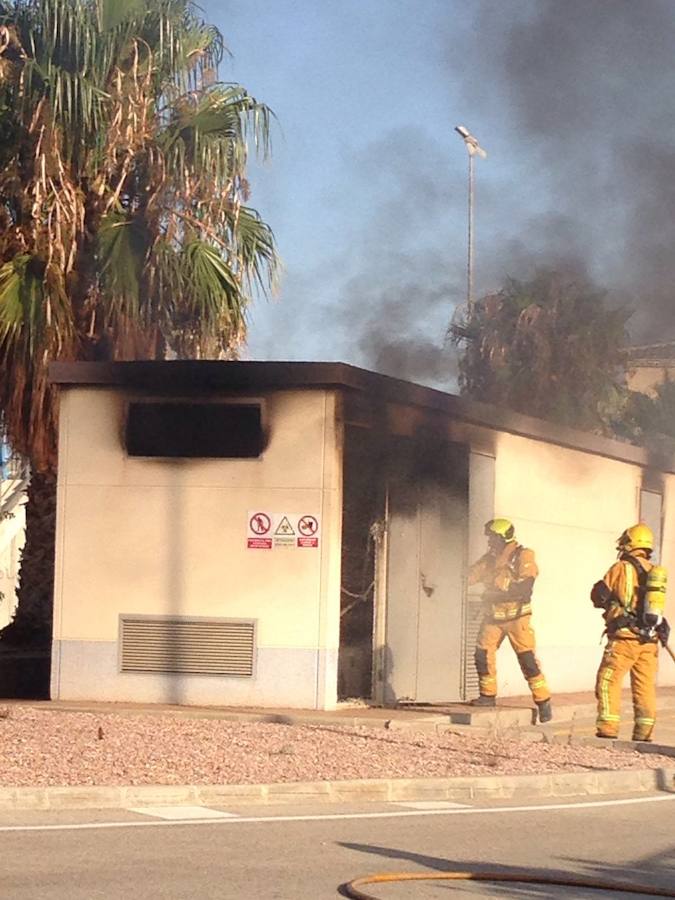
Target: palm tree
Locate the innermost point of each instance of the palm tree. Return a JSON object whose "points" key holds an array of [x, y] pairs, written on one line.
{"points": [[124, 226]]}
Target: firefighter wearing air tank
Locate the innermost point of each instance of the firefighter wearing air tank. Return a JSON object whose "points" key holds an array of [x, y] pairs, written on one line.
{"points": [[507, 572], [632, 596]]}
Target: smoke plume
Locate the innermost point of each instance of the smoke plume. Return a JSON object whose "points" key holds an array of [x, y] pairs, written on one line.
{"points": [[575, 102], [585, 89]]}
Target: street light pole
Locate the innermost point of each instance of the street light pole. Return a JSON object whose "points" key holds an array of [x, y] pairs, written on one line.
{"points": [[473, 148], [469, 254]]}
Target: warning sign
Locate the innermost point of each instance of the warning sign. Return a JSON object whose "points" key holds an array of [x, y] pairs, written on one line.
{"points": [[271, 530], [259, 526], [308, 526], [284, 533], [259, 543], [284, 527], [260, 523]]}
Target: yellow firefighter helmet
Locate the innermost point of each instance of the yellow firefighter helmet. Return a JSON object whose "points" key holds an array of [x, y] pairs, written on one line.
{"points": [[500, 527], [637, 537]]}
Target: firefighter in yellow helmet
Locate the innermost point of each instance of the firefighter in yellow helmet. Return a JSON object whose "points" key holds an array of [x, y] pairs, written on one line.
{"points": [[632, 597], [507, 572]]}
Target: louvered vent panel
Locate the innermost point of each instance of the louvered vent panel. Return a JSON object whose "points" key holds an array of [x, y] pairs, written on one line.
{"points": [[474, 617], [188, 646]]}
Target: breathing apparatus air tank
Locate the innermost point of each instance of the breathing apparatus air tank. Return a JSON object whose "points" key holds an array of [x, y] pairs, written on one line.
{"points": [[655, 596]]}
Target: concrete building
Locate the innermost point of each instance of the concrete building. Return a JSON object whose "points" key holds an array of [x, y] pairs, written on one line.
{"points": [[13, 485], [649, 366], [289, 534]]}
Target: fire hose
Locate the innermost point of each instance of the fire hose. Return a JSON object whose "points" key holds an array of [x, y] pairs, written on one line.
{"points": [[352, 889]]}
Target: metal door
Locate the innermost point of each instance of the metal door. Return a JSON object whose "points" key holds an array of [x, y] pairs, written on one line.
{"points": [[426, 549]]}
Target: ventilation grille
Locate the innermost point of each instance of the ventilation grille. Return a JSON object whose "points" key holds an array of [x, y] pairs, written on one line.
{"points": [[187, 646], [474, 617]]}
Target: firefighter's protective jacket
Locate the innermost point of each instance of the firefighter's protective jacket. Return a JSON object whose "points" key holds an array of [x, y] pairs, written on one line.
{"points": [[623, 580], [508, 579], [629, 649]]}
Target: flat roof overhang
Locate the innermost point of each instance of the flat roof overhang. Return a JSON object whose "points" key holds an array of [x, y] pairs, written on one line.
{"points": [[185, 377]]}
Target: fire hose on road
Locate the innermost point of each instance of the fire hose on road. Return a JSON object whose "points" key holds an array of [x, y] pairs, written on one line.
{"points": [[352, 889]]}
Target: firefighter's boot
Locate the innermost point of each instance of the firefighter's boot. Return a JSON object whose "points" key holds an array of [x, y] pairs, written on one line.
{"points": [[484, 700], [545, 711]]}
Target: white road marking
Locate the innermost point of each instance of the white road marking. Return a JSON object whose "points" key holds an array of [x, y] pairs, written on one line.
{"points": [[435, 804], [183, 813], [331, 817]]}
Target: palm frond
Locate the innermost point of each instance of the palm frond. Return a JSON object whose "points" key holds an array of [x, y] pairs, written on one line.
{"points": [[22, 311], [256, 249], [34, 309], [209, 133], [188, 50], [212, 292], [76, 103], [122, 248], [12, 275], [113, 13]]}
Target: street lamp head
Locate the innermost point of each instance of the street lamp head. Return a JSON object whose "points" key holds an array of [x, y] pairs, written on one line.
{"points": [[472, 145]]}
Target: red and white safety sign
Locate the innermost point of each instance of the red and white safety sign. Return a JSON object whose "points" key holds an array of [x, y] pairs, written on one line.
{"points": [[277, 530], [308, 528], [259, 527]]}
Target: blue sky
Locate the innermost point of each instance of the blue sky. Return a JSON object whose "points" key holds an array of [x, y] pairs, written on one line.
{"points": [[366, 189]]}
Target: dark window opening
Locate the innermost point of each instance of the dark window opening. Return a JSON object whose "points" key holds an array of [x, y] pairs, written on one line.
{"points": [[194, 430]]}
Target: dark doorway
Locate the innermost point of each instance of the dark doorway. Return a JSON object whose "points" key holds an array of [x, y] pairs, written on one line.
{"points": [[415, 488], [363, 508]]}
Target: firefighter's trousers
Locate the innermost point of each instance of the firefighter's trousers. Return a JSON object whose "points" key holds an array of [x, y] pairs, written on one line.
{"points": [[624, 655], [521, 636]]}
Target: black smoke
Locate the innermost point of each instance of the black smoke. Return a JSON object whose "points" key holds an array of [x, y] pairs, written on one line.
{"points": [[586, 92], [386, 293], [575, 102]]}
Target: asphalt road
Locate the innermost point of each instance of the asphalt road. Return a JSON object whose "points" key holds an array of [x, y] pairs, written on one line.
{"points": [[282, 852]]}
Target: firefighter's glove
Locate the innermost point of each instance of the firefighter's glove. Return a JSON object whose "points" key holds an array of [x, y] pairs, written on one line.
{"points": [[663, 631], [601, 595]]}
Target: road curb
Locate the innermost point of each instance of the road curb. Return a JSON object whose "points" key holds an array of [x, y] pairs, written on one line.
{"points": [[460, 789]]}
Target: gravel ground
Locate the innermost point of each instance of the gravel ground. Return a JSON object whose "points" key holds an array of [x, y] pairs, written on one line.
{"points": [[65, 748]]}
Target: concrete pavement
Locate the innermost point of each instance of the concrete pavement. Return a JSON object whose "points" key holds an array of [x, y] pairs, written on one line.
{"points": [[510, 712]]}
